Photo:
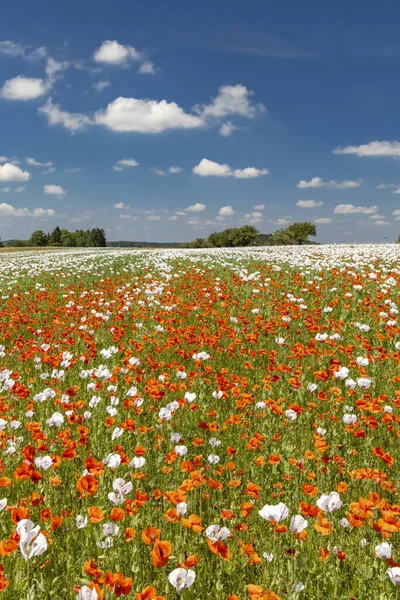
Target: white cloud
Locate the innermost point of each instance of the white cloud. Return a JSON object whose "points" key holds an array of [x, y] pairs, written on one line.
{"points": [[227, 129], [10, 172], [53, 67], [195, 207], [56, 116], [396, 213], [153, 217], [158, 171], [172, 218], [48, 171], [145, 116], [175, 169], [317, 182], [231, 100], [372, 149], [194, 222], [386, 186], [5, 190], [147, 68], [125, 162], [124, 216], [54, 190], [99, 86], [34, 163], [397, 191], [121, 206], [11, 49], [254, 217], [208, 168], [24, 88], [381, 222], [309, 203], [112, 53], [259, 206], [7, 210], [281, 222], [3, 159], [322, 221], [348, 209], [19, 189], [226, 211]]}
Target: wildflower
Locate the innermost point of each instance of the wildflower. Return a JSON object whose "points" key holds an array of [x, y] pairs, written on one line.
{"points": [[329, 502], [394, 575], [181, 579], [274, 513], [298, 524], [32, 543], [215, 533], [384, 550]]}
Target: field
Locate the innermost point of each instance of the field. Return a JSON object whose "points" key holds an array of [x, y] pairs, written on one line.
{"points": [[216, 425]]}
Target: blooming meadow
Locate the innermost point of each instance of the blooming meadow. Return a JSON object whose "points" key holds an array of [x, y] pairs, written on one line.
{"points": [[200, 424]]}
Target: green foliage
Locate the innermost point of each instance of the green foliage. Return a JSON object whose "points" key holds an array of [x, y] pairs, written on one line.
{"points": [[233, 238], [38, 238], [294, 234]]}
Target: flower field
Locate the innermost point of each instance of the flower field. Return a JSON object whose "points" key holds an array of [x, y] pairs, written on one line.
{"points": [[200, 424]]}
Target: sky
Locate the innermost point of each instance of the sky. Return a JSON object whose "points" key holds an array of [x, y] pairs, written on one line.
{"points": [[166, 121]]}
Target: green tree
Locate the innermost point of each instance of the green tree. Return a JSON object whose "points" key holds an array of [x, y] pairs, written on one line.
{"points": [[68, 238], [55, 236], [97, 238], [38, 238], [297, 233]]}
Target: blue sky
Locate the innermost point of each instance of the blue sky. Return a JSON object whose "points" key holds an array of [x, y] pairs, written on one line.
{"points": [[267, 113]]}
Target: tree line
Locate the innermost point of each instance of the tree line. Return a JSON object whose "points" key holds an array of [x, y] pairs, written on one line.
{"points": [[90, 238], [235, 237]]}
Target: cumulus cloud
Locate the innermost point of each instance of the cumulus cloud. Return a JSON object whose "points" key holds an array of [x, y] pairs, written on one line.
{"points": [[254, 217], [317, 182], [11, 49], [195, 207], [281, 221], [348, 209], [120, 165], [226, 211], [387, 186], [5, 190], [153, 217], [99, 86], [156, 116], [8, 210], [231, 100], [372, 149], [147, 68], [322, 221], [56, 116], [208, 168], [145, 116], [227, 129], [19, 189], [24, 88], [10, 172], [54, 190], [158, 171], [34, 163], [259, 206], [112, 53], [309, 203], [175, 170], [121, 206]]}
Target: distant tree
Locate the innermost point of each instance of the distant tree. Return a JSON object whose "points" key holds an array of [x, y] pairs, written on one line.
{"points": [[55, 236], [295, 234], [1, 244], [38, 238], [97, 238], [263, 239], [199, 243], [233, 237], [68, 238]]}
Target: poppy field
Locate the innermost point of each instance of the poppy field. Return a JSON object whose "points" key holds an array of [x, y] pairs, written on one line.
{"points": [[202, 424]]}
